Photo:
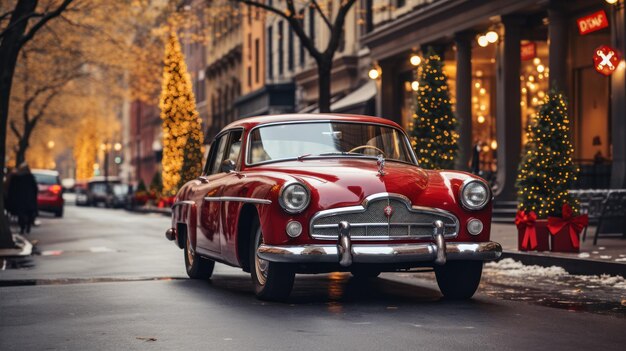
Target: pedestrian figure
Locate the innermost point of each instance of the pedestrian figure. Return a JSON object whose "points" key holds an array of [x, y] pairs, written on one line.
{"points": [[475, 163], [22, 197]]}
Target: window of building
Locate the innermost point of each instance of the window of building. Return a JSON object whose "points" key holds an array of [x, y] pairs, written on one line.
{"points": [[302, 53], [256, 60], [400, 3], [312, 25], [270, 56], [249, 76], [249, 46], [290, 49], [281, 44]]}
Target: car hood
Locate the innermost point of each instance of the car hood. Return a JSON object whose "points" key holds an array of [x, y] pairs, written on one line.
{"points": [[344, 182]]}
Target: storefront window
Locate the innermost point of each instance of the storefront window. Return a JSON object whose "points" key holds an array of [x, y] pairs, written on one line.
{"points": [[484, 108], [534, 78]]}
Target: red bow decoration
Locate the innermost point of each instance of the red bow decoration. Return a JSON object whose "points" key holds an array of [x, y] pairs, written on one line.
{"points": [[527, 221], [576, 224]]}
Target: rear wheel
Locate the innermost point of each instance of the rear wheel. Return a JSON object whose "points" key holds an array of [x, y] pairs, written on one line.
{"points": [[197, 267], [459, 279], [272, 281], [58, 213]]}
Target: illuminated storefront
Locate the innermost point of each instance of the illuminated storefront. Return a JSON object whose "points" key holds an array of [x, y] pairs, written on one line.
{"points": [[501, 64]]}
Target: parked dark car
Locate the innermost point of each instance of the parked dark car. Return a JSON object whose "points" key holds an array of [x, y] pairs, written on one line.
{"points": [[118, 196], [50, 191], [98, 191]]}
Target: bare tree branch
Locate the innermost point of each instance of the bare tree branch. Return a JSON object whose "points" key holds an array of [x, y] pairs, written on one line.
{"points": [[336, 33], [15, 131], [319, 9], [42, 22]]}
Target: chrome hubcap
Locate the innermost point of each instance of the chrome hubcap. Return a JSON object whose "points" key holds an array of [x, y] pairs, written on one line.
{"points": [[260, 265]]}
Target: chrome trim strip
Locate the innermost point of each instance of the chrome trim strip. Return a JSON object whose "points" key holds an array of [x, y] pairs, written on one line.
{"points": [[363, 207], [183, 202], [401, 253], [402, 132], [249, 200]]}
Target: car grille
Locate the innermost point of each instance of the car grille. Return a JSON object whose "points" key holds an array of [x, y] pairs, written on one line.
{"points": [[369, 221]]}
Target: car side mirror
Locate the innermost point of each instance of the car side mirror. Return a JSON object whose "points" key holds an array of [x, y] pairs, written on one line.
{"points": [[228, 166]]}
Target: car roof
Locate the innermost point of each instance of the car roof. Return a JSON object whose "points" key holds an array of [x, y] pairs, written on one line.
{"points": [[251, 122], [45, 171]]}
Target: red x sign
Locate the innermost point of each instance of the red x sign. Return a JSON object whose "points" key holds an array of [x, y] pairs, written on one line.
{"points": [[605, 59]]}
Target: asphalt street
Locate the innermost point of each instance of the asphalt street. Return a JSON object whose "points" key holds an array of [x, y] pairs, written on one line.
{"points": [[109, 280]]}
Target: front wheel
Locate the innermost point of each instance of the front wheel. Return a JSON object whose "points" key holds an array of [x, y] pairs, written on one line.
{"points": [[459, 279], [272, 281], [197, 267]]}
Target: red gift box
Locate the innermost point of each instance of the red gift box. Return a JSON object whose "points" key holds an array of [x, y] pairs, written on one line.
{"points": [[566, 230], [532, 233]]}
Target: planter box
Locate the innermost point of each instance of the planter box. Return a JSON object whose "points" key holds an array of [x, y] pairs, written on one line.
{"points": [[543, 236]]}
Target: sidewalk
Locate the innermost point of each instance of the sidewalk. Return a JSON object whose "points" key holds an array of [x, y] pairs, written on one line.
{"points": [[608, 257]]}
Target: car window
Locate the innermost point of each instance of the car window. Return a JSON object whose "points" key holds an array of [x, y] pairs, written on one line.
{"points": [[217, 154], [46, 179], [234, 145], [327, 139]]}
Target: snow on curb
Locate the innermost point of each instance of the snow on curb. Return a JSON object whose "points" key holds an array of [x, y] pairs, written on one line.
{"points": [[512, 268]]}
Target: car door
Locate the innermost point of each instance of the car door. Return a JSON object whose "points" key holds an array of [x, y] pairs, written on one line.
{"points": [[211, 186]]}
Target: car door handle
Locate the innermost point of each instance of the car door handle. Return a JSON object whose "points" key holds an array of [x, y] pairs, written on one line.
{"points": [[203, 179]]}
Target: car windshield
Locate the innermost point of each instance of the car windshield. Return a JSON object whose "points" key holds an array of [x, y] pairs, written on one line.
{"points": [[327, 139], [46, 179]]}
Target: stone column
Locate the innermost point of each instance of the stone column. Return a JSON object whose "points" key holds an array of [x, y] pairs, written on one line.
{"points": [[557, 42], [618, 100], [463, 43], [508, 113]]}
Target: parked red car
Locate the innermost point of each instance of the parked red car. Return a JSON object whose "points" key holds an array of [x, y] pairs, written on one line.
{"points": [[290, 194], [50, 195]]}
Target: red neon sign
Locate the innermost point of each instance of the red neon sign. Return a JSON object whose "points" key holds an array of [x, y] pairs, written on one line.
{"points": [[592, 23]]}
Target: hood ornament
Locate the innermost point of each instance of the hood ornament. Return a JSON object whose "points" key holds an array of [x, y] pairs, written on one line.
{"points": [[380, 161]]}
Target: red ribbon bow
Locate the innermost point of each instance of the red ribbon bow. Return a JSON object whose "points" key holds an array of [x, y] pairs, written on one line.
{"points": [[575, 224], [527, 221]]}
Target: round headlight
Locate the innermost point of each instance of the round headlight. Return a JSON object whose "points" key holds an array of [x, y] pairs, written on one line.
{"points": [[474, 194], [294, 197]]}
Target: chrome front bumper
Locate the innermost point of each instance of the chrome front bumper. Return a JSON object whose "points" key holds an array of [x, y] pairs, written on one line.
{"points": [[383, 253]]}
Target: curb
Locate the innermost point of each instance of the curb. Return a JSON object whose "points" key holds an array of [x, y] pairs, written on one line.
{"points": [[23, 247], [162, 211], [571, 265]]}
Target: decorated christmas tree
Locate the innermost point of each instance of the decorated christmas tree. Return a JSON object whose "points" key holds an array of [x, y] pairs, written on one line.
{"points": [[182, 131], [547, 170], [434, 123]]}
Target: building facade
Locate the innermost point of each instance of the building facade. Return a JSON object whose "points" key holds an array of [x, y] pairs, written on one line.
{"points": [[498, 85]]}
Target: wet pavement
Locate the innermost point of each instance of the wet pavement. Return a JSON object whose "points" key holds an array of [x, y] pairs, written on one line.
{"points": [[108, 279]]}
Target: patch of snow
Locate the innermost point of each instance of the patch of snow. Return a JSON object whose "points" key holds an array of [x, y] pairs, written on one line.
{"points": [[510, 267], [604, 280], [605, 257], [584, 255], [620, 259]]}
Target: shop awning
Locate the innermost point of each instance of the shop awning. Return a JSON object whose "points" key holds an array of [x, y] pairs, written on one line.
{"points": [[356, 98]]}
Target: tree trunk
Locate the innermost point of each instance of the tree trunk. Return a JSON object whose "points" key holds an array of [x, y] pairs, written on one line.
{"points": [[324, 67], [9, 50], [24, 142]]}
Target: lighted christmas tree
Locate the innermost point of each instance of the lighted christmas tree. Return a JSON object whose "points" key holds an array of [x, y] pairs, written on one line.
{"points": [[547, 170], [182, 131], [434, 124]]}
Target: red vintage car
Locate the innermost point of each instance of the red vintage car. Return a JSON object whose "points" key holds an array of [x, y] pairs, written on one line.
{"points": [[290, 194]]}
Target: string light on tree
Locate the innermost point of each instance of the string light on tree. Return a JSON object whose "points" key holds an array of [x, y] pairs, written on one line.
{"points": [[434, 124], [182, 131], [547, 169]]}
